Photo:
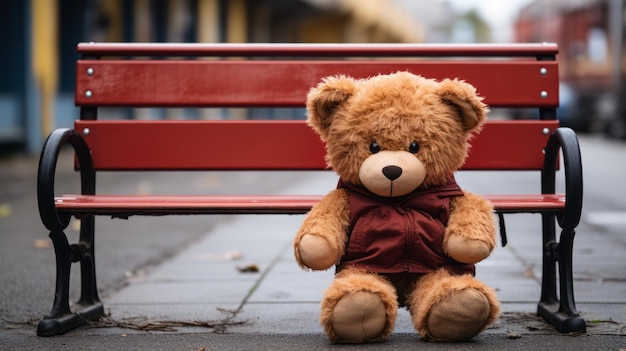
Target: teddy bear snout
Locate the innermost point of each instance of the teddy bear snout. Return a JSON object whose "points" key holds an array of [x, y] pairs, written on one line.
{"points": [[392, 172]]}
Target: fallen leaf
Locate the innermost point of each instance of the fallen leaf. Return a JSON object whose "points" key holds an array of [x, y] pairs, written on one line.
{"points": [[233, 255], [250, 268], [5, 210], [212, 181], [75, 225], [43, 244], [529, 272], [511, 335], [144, 187]]}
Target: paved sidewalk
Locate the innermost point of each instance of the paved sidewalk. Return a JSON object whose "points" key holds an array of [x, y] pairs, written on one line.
{"points": [[211, 296]]}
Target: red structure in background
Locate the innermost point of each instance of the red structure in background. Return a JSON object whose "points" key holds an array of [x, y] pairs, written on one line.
{"points": [[590, 37]]}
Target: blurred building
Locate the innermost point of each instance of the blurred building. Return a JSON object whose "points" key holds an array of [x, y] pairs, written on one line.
{"points": [[38, 38], [590, 34]]}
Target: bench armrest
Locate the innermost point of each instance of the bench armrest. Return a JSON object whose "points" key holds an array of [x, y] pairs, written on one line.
{"points": [[50, 217], [565, 139]]}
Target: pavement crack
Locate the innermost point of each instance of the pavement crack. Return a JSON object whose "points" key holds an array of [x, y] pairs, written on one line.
{"points": [[228, 321], [529, 268]]}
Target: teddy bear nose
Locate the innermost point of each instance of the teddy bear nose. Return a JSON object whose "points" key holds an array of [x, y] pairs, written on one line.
{"points": [[392, 172]]}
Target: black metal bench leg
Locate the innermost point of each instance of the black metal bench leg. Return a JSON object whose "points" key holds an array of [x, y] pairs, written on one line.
{"points": [[572, 322], [89, 302], [89, 289], [548, 276], [61, 319], [60, 316], [561, 313]]}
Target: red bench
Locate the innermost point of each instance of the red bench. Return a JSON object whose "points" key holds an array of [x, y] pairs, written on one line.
{"points": [[279, 75]]}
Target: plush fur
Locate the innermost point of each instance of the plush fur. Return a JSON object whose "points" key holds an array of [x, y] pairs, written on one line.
{"points": [[392, 136]]}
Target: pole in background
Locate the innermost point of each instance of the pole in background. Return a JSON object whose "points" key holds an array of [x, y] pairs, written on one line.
{"points": [[45, 58]]}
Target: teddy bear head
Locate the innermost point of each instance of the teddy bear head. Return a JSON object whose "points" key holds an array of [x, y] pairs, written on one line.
{"points": [[395, 133]]}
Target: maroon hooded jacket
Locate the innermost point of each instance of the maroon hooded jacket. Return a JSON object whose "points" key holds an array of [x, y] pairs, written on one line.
{"points": [[400, 234]]}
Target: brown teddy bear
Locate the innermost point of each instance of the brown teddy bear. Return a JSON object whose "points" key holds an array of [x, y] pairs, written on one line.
{"points": [[399, 229]]}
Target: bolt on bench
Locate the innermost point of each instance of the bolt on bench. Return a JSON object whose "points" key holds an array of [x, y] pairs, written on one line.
{"points": [[280, 75]]}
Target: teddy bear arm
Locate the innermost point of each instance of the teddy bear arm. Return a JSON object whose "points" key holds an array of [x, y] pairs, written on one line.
{"points": [[471, 233], [320, 241]]}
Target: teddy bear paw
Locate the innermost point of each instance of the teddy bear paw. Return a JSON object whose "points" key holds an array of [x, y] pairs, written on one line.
{"points": [[316, 253], [467, 250], [459, 317], [359, 317]]}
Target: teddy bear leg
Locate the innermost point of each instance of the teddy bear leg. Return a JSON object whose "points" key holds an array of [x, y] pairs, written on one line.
{"points": [[452, 308], [359, 307]]}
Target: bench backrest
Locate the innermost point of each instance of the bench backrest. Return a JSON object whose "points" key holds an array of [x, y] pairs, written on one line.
{"points": [[242, 75]]}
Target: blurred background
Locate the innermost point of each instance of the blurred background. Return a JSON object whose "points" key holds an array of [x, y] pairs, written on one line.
{"points": [[38, 39]]}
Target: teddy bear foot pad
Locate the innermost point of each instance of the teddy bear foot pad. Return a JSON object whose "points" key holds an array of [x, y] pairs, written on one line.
{"points": [[448, 321], [359, 317]]}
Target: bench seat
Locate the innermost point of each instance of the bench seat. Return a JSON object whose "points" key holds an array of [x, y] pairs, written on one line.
{"points": [[156, 205]]}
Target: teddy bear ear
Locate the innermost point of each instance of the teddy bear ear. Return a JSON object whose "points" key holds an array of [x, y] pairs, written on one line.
{"points": [[462, 96], [324, 99]]}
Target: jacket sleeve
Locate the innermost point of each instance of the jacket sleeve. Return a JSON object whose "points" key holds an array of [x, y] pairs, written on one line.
{"points": [[470, 235], [321, 239]]}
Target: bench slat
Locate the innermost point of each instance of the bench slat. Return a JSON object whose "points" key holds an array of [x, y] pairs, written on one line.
{"points": [[203, 145], [277, 145], [118, 205], [317, 50], [201, 83]]}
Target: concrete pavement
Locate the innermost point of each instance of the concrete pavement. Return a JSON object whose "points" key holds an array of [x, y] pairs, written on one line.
{"points": [[210, 296]]}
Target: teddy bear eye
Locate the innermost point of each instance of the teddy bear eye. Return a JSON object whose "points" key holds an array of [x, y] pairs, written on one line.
{"points": [[374, 147], [414, 147]]}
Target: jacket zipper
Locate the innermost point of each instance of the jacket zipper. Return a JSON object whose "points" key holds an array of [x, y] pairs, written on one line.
{"points": [[410, 237]]}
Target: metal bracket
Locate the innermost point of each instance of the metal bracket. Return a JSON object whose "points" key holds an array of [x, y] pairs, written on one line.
{"points": [[552, 251]]}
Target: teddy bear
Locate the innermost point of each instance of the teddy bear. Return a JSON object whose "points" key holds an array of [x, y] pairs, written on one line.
{"points": [[398, 228]]}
